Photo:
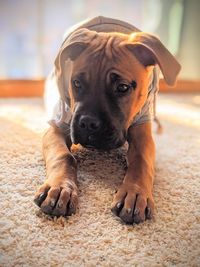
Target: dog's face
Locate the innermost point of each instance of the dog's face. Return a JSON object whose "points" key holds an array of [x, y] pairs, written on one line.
{"points": [[108, 85]]}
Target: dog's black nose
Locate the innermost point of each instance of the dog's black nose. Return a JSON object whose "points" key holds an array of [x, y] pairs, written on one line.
{"points": [[89, 123]]}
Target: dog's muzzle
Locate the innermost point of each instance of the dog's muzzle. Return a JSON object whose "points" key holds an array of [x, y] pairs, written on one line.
{"points": [[92, 132], [89, 127]]}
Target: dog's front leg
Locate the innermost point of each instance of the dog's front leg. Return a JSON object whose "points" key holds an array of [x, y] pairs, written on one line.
{"points": [[133, 201], [58, 195]]}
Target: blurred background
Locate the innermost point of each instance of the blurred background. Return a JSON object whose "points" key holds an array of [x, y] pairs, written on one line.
{"points": [[32, 30]]}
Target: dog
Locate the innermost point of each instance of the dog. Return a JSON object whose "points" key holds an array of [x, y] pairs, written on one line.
{"points": [[107, 74]]}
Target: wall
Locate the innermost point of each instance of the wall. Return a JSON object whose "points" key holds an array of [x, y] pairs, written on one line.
{"points": [[31, 31]]}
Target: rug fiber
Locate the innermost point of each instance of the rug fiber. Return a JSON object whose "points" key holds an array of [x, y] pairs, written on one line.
{"points": [[94, 237]]}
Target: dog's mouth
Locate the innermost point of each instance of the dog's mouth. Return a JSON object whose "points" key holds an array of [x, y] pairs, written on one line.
{"points": [[93, 131], [92, 143], [101, 141], [106, 145]]}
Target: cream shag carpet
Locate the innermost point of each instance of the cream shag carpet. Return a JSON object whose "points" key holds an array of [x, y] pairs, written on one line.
{"points": [[95, 237]]}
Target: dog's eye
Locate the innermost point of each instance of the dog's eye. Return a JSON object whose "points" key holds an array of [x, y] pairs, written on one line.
{"points": [[77, 84], [123, 88], [133, 84]]}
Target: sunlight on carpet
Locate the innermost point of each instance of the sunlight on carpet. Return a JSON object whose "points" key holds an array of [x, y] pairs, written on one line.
{"points": [[93, 236]]}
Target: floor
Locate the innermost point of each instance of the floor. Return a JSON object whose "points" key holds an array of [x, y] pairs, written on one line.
{"points": [[94, 237]]}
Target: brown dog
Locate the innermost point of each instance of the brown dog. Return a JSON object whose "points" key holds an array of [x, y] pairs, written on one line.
{"points": [[107, 78]]}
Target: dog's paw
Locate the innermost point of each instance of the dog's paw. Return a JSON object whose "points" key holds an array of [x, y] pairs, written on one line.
{"points": [[133, 204], [57, 200]]}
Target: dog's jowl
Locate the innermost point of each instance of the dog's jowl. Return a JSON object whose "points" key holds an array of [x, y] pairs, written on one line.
{"points": [[106, 73]]}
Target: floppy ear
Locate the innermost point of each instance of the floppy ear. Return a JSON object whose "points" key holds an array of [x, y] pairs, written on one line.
{"points": [[149, 50], [71, 48]]}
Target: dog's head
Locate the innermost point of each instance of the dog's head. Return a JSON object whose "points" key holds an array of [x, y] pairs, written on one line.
{"points": [[108, 82]]}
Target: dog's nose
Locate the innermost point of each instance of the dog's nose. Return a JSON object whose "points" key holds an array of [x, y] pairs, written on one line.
{"points": [[89, 123]]}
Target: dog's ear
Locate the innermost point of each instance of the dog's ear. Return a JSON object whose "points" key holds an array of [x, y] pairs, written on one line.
{"points": [[149, 50], [73, 46], [70, 49]]}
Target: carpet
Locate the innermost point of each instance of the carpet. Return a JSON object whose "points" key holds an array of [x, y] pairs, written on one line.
{"points": [[93, 236]]}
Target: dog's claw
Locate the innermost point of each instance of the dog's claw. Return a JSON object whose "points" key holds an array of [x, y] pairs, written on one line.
{"points": [[129, 210], [119, 205], [71, 209], [136, 211], [117, 208], [39, 199], [126, 216], [148, 213], [52, 203], [60, 204]]}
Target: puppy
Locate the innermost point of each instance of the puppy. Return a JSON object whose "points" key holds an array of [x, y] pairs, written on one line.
{"points": [[106, 74]]}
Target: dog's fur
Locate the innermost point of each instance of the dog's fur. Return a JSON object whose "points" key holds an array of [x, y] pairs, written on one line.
{"points": [[108, 86]]}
